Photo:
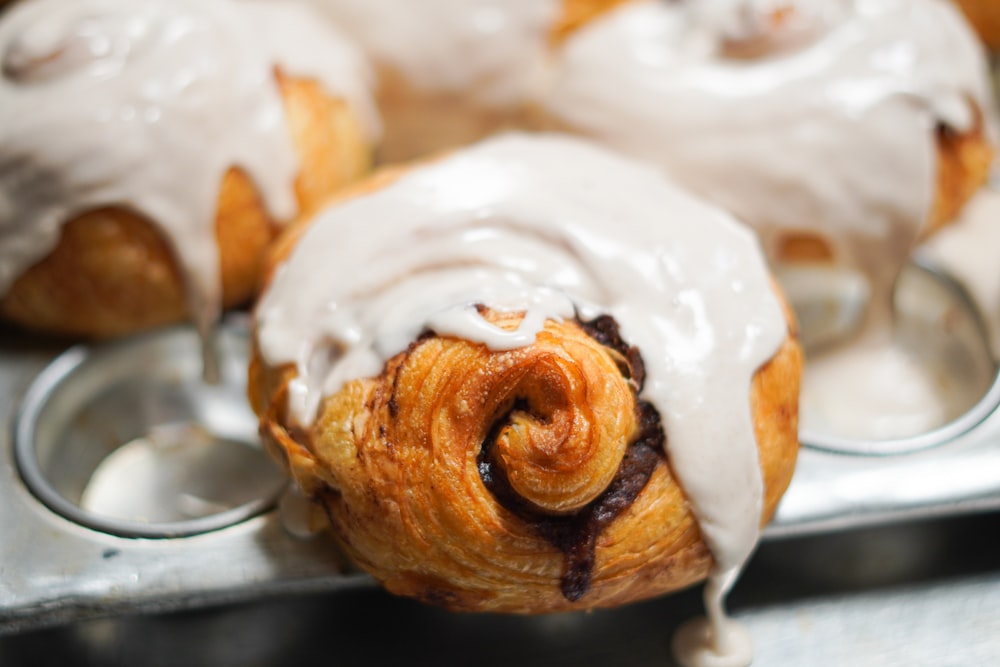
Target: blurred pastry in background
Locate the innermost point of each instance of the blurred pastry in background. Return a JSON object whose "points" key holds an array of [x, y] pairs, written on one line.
{"points": [[454, 71], [532, 376], [151, 149], [839, 130]]}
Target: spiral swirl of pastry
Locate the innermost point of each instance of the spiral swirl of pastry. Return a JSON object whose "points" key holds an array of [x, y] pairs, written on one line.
{"points": [[529, 418], [520, 453], [543, 484], [561, 419]]}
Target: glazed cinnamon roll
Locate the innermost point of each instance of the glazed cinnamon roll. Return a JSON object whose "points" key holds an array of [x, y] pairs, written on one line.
{"points": [[840, 130], [454, 71], [530, 376], [150, 150]]}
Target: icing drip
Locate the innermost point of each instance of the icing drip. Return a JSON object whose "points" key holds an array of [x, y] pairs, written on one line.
{"points": [[554, 227], [145, 104]]}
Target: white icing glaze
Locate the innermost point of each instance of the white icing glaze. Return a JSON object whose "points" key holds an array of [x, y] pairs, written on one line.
{"points": [[145, 104], [829, 129], [295, 512], [714, 640], [553, 226], [489, 49], [696, 644]]}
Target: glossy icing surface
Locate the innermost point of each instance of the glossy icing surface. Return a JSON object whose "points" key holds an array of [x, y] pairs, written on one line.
{"points": [[794, 114], [554, 227], [145, 104]]}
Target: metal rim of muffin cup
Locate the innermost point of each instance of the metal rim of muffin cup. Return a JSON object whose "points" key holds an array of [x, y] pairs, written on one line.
{"points": [[976, 413], [49, 408], [937, 437]]}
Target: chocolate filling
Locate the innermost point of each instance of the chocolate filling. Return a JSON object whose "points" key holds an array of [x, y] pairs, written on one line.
{"points": [[575, 535], [605, 331]]}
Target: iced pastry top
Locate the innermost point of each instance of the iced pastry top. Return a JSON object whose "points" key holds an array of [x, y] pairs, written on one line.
{"points": [[144, 105], [557, 228], [808, 115]]}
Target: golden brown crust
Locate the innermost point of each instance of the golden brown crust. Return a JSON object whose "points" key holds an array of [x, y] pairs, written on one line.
{"points": [[113, 273], [333, 149], [984, 15], [405, 464]]}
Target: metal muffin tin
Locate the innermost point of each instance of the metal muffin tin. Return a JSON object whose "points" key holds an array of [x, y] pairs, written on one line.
{"points": [[81, 416], [154, 454], [128, 484]]}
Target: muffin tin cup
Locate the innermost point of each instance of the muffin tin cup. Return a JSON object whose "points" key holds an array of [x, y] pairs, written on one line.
{"points": [[128, 439], [934, 320]]}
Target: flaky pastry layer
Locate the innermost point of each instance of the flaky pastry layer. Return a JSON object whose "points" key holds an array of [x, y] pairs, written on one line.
{"points": [[531, 480]]}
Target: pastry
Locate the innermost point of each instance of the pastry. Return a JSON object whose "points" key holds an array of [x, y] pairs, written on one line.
{"points": [[530, 376], [150, 149], [841, 130], [453, 71]]}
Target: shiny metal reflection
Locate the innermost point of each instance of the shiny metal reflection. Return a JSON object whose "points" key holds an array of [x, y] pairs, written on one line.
{"points": [[127, 439], [935, 319], [829, 302]]}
